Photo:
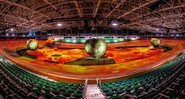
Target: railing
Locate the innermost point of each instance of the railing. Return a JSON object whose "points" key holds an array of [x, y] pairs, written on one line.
{"points": [[85, 88]]}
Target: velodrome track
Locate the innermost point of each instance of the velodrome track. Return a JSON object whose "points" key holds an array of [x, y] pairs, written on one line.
{"points": [[78, 74]]}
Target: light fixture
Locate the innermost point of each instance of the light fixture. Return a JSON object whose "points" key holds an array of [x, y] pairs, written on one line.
{"points": [[59, 24], [11, 29], [157, 29], [7, 34], [114, 24]]}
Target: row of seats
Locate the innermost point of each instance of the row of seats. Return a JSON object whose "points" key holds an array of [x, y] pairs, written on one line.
{"points": [[150, 85], [17, 83], [174, 90]]}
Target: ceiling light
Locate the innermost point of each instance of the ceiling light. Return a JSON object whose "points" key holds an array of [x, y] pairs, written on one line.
{"points": [[114, 24], [11, 29], [59, 24]]}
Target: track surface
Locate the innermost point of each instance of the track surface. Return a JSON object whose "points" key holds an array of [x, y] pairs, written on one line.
{"points": [[74, 73]]}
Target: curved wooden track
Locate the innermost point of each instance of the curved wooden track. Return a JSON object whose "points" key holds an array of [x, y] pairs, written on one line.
{"points": [[105, 73]]}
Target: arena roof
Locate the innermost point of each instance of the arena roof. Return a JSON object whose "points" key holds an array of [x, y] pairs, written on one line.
{"points": [[145, 15]]}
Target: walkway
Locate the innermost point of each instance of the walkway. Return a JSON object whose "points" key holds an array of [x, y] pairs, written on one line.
{"points": [[93, 92]]}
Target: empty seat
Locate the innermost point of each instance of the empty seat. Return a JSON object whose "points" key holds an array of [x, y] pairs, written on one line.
{"points": [[18, 82]]}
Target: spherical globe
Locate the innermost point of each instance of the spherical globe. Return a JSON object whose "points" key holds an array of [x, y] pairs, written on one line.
{"points": [[50, 42], [96, 48], [32, 44], [155, 42]]}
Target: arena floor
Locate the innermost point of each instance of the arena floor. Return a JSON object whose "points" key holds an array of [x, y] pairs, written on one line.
{"points": [[129, 61]]}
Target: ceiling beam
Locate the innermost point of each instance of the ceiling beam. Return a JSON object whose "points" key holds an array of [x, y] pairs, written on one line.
{"points": [[96, 11], [9, 22], [167, 2], [97, 7], [14, 17], [41, 26], [167, 23], [154, 19], [117, 6], [6, 23], [61, 2], [148, 3], [81, 8], [47, 2], [164, 9], [24, 7], [79, 13], [23, 19]]}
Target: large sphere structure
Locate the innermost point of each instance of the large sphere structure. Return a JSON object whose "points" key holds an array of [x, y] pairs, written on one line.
{"points": [[32, 44], [155, 42], [96, 48]]}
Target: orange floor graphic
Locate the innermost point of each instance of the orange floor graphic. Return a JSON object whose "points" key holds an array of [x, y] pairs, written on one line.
{"points": [[129, 61]]}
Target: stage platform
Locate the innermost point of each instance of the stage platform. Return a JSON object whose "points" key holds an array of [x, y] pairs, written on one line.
{"points": [[124, 68]]}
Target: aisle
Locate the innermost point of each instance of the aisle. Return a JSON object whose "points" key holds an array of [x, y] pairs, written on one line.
{"points": [[93, 92]]}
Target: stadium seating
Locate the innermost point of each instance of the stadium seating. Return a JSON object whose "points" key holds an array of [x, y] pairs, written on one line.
{"points": [[17, 83], [167, 82]]}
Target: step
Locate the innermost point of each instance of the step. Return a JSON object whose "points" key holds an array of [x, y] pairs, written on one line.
{"points": [[93, 92]]}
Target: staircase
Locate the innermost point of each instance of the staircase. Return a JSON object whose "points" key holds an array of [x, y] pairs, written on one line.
{"points": [[93, 92]]}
